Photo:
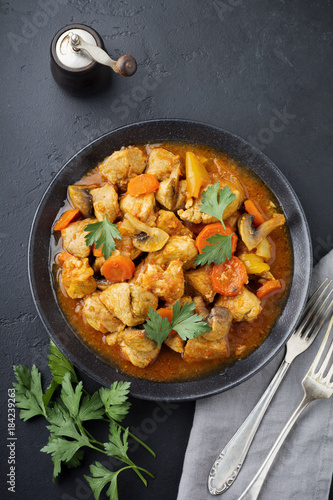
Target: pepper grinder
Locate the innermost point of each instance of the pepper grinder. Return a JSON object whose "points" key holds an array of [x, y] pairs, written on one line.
{"points": [[79, 62]]}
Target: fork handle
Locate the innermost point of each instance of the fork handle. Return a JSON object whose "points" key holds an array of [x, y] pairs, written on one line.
{"points": [[229, 462], [253, 490]]}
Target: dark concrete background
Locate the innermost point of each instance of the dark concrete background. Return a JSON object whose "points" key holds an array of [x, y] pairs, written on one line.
{"points": [[231, 63]]}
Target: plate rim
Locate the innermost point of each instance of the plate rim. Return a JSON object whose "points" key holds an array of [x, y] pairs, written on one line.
{"points": [[173, 391]]}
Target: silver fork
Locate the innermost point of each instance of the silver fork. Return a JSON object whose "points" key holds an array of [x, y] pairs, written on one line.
{"points": [[229, 462], [317, 384]]}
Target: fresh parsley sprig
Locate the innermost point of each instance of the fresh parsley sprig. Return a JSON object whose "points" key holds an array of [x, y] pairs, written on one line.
{"points": [[67, 415], [184, 322], [103, 234], [217, 252], [214, 201]]}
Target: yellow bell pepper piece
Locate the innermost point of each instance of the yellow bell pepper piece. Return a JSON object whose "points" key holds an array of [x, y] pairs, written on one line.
{"points": [[196, 175], [203, 159], [264, 249], [253, 263]]}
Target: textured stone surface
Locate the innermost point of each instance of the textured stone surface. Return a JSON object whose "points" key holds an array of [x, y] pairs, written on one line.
{"points": [[262, 70]]}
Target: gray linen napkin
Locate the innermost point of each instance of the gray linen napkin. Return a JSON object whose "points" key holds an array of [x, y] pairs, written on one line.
{"points": [[304, 465]]}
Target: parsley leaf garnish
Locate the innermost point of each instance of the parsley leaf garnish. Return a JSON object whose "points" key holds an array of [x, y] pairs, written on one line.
{"points": [[156, 327], [66, 415], [102, 234], [213, 202], [115, 400], [101, 476], [184, 322], [91, 408], [29, 394], [217, 252], [59, 365], [187, 324], [118, 445]]}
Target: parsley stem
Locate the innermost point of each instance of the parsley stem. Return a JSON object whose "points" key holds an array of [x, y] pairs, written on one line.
{"points": [[137, 471], [93, 440], [97, 449], [133, 436], [144, 470]]}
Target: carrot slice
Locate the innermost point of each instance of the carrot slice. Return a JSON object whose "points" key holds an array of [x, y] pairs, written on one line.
{"points": [[63, 256], [210, 230], [142, 184], [268, 287], [167, 312], [66, 219], [97, 252], [252, 209], [118, 268], [229, 278]]}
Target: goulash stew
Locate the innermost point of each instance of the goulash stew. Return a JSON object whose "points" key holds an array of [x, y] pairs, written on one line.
{"points": [[171, 261]]}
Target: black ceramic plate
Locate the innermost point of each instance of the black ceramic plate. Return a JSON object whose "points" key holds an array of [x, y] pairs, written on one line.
{"points": [[158, 131]]}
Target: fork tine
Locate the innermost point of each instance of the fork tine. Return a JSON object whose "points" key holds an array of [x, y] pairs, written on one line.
{"points": [[314, 295], [328, 354], [312, 304], [319, 354], [308, 333], [329, 376]]}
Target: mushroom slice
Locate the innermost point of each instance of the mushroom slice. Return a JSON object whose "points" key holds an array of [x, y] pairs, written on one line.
{"points": [[147, 239], [81, 199], [252, 236], [219, 319]]}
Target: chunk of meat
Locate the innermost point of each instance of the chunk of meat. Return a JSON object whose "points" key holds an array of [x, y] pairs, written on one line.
{"points": [[77, 278], [185, 298], [181, 195], [169, 222], [198, 282], [177, 247], [200, 307], [99, 317], [162, 162], [111, 338], [167, 193], [175, 342], [166, 283], [192, 212], [122, 166], [232, 220], [227, 177], [105, 202], [73, 237], [128, 302], [219, 319], [244, 307], [141, 207], [125, 246], [98, 263], [136, 347], [200, 349]]}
